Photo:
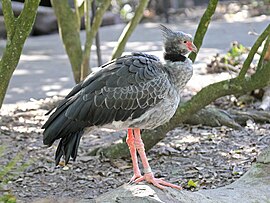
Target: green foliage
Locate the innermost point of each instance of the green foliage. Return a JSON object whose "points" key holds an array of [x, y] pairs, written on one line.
{"points": [[8, 198], [8, 168], [125, 8], [5, 174], [233, 55], [193, 184], [236, 50], [127, 12]]}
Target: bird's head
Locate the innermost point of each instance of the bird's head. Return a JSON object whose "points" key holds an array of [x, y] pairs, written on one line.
{"points": [[177, 42]]}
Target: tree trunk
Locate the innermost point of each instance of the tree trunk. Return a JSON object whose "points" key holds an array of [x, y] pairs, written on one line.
{"points": [[18, 29], [69, 29]]}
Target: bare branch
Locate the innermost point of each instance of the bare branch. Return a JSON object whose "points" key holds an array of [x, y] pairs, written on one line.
{"points": [[118, 50], [203, 26], [91, 35], [9, 18], [69, 30], [253, 51], [86, 53]]}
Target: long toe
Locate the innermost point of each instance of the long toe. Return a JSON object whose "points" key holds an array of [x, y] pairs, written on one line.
{"points": [[158, 182], [162, 182]]}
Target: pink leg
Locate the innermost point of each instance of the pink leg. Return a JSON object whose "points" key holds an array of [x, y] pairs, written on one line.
{"points": [[148, 175], [133, 153]]}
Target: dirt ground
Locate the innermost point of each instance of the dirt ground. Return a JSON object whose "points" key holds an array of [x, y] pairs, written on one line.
{"points": [[210, 157]]}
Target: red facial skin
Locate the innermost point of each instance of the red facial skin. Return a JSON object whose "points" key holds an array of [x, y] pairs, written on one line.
{"points": [[191, 46]]}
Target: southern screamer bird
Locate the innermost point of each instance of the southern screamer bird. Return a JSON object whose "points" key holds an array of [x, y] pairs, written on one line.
{"points": [[132, 92]]}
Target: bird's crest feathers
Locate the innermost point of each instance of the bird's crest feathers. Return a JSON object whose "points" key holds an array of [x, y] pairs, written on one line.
{"points": [[167, 33]]}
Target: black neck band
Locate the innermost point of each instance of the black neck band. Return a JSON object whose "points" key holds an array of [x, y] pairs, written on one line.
{"points": [[174, 57]]}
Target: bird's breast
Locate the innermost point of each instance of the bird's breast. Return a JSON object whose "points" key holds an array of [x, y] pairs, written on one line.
{"points": [[180, 72]]}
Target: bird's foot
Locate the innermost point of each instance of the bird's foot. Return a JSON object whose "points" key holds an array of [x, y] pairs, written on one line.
{"points": [[135, 177], [137, 174], [158, 182]]}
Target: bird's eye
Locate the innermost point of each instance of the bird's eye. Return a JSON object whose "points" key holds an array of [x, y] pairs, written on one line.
{"points": [[185, 41]]}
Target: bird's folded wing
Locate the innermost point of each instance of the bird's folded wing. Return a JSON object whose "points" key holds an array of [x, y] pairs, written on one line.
{"points": [[123, 89]]}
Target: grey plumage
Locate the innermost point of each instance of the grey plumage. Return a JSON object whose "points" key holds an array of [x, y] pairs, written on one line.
{"points": [[134, 91]]}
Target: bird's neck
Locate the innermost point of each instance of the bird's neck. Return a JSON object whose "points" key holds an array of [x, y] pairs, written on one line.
{"points": [[179, 69], [174, 57]]}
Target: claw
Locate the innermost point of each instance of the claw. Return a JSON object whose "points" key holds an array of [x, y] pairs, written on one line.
{"points": [[135, 177], [158, 182], [131, 182]]}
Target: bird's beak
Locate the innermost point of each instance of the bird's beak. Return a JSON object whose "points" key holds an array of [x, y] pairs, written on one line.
{"points": [[192, 47]]}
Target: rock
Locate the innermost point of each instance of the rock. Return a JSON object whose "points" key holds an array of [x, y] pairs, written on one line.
{"points": [[110, 18], [254, 186], [264, 156], [59, 200], [265, 105], [46, 21]]}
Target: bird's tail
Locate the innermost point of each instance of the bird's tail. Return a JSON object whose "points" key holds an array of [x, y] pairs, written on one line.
{"points": [[68, 147], [59, 126]]}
